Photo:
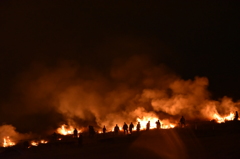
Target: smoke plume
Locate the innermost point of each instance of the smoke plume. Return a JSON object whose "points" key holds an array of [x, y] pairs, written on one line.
{"points": [[68, 92]]}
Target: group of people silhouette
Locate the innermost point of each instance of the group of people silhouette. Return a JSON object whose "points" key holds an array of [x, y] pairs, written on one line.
{"points": [[129, 129]]}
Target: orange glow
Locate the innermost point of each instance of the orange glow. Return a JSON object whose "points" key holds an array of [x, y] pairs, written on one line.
{"points": [[7, 142], [34, 143], [43, 142], [145, 120], [164, 123], [66, 130], [220, 119], [168, 126]]}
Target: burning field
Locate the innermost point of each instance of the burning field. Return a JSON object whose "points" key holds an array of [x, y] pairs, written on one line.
{"points": [[56, 100]]}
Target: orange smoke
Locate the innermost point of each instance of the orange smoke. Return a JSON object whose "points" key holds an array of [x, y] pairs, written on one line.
{"points": [[67, 130], [131, 90]]}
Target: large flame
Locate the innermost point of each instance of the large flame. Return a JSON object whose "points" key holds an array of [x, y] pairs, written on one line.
{"points": [[221, 119], [164, 123], [66, 130], [143, 121], [7, 142]]}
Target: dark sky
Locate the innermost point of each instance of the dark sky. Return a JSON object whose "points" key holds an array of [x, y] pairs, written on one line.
{"points": [[195, 38]]}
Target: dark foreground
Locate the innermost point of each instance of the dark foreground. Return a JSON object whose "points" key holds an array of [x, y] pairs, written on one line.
{"points": [[219, 141]]}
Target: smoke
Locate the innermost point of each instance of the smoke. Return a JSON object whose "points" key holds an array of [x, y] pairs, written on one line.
{"points": [[9, 132], [68, 92]]}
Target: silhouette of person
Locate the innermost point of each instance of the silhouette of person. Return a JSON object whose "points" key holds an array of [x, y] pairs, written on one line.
{"points": [[148, 125], [158, 124], [138, 127], [125, 128], [54, 135], [91, 131], [116, 129], [236, 116], [104, 129], [131, 126], [26, 144], [80, 139], [182, 121], [75, 133]]}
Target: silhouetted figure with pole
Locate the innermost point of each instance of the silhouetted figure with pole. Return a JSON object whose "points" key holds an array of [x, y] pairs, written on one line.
{"points": [[182, 121], [158, 124], [104, 129], [75, 133], [131, 126], [138, 127], [148, 125], [116, 129], [125, 128], [236, 116]]}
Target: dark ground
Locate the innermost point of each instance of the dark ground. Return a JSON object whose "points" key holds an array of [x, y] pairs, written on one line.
{"points": [[207, 141]]}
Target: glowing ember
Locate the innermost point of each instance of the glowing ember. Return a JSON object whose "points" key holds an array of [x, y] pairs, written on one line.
{"points": [[43, 142], [7, 142], [167, 126], [34, 143], [220, 119], [66, 130]]}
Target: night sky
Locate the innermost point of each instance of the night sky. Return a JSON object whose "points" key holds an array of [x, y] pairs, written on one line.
{"points": [[194, 38]]}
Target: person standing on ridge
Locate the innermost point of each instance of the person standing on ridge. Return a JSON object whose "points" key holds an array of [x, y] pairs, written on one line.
{"points": [[138, 127], [236, 116], [116, 129], [131, 127], [104, 129], [75, 133], [148, 125], [125, 128], [182, 121], [158, 124]]}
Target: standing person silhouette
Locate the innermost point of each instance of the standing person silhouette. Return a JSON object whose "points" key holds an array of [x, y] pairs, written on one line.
{"points": [[75, 133], [104, 129], [138, 127], [182, 122], [131, 127], [236, 116], [125, 128], [158, 124], [148, 126], [116, 129]]}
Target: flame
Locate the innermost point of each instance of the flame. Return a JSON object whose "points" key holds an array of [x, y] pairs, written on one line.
{"points": [[43, 141], [7, 142], [145, 120], [220, 119], [66, 130], [168, 126], [34, 143], [164, 123]]}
